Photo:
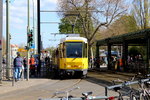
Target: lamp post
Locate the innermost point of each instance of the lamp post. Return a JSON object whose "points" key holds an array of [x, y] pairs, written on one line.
{"points": [[71, 21], [8, 72], [28, 30], [34, 29], [1, 27], [38, 32]]}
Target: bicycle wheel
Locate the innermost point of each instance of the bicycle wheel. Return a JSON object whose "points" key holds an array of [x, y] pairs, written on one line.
{"points": [[133, 96], [144, 97], [120, 97]]}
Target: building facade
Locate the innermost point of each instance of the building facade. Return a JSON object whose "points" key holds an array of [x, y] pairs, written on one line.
{"points": [[14, 50]]}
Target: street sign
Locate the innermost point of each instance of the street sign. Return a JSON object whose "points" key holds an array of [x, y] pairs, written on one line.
{"points": [[32, 46], [22, 50]]}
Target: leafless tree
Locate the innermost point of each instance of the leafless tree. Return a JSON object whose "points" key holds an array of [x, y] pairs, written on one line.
{"points": [[94, 14], [122, 25], [141, 12]]}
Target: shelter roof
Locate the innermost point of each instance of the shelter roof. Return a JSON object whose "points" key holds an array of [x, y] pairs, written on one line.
{"points": [[138, 37]]}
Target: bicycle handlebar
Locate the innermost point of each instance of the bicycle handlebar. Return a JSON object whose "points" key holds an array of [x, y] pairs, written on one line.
{"points": [[64, 92], [127, 83], [84, 98]]}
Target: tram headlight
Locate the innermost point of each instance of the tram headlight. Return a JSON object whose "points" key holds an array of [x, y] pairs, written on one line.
{"points": [[80, 66], [68, 66]]}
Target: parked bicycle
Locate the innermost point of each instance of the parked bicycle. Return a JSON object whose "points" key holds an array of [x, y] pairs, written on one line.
{"points": [[142, 93], [143, 83], [130, 92], [86, 96], [144, 88]]}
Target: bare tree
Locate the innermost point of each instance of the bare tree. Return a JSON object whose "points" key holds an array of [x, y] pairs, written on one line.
{"points": [[122, 25], [141, 12], [94, 14]]}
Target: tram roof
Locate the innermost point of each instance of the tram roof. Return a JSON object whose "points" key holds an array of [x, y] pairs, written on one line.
{"points": [[138, 37], [73, 38]]}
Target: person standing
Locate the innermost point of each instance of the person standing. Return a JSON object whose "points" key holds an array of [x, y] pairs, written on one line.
{"points": [[25, 66], [38, 67], [32, 66], [18, 62]]}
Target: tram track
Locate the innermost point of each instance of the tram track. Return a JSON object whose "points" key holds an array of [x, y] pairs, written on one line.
{"points": [[48, 88], [67, 87]]}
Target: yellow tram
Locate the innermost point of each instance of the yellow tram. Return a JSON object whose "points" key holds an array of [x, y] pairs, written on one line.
{"points": [[71, 57]]}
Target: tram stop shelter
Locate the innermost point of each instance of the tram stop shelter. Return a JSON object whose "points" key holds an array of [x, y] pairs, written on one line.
{"points": [[138, 38]]}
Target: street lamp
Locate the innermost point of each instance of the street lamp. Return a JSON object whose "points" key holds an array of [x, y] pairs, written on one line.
{"points": [[72, 23]]}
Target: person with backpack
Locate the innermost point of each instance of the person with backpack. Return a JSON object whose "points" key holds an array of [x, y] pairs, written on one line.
{"points": [[18, 63]]}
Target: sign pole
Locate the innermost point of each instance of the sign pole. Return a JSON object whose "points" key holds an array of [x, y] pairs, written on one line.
{"points": [[28, 32], [39, 31], [8, 72], [1, 27]]}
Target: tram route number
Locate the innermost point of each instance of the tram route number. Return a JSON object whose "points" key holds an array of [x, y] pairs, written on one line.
{"points": [[75, 66]]}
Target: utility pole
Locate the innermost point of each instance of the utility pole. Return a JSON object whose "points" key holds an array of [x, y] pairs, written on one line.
{"points": [[8, 64], [38, 29], [34, 30], [1, 27], [28, 32]]}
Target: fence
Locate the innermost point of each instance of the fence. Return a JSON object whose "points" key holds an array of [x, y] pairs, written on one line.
{"points": [[8, 73]]}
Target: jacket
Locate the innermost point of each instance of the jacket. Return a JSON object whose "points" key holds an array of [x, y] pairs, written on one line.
{"points": [[18, 61]]}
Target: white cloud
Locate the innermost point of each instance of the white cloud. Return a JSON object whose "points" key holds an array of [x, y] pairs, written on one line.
{"points": [[52, 1], [18, 17], [17, 12], [48, 4]]}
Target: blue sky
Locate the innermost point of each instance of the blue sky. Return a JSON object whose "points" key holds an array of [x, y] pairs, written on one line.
{"points": [[18, 21]]}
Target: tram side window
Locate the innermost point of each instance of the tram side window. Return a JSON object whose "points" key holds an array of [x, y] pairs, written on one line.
{"points": [[84, 50], [57, 53], [60, 53], [64, 50]]}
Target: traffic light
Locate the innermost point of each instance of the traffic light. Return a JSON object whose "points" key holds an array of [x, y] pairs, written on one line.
{"points": [[30, 38]]}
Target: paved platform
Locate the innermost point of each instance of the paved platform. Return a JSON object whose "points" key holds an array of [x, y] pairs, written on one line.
{"points": [[6, 85], [104, 79]]}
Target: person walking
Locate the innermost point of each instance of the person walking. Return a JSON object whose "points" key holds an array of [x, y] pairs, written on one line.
{"points": [[32, 66], [25, 67], [38, 67], [18, 62]]}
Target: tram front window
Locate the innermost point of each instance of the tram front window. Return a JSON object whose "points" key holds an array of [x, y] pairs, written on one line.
{"points": [[74, 49]]}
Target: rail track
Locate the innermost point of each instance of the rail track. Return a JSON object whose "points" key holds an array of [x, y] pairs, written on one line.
{"points": [[68, 87], [93, 82]]}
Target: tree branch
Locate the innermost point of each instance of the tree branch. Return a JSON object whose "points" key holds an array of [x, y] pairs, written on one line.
{"points": [[93, 34]]}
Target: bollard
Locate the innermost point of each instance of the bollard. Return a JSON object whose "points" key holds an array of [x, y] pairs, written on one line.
{"points": [[13, 77], [106, 90]]}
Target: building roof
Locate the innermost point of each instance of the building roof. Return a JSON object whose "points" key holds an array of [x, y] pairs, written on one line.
{"points": [[14, 46]]}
